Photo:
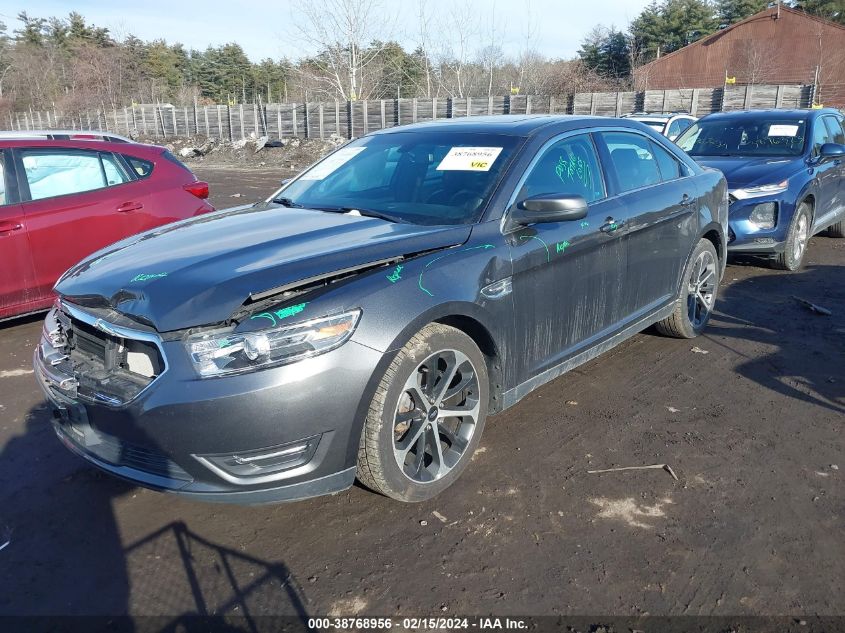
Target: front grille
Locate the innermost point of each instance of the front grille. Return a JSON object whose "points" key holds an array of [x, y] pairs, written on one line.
{"points": [[111, 368], [89, 341], [119, 453]]}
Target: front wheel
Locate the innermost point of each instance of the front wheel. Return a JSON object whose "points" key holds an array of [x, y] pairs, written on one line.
{"points": [[796, 240], [426, 417], [698, 294]]}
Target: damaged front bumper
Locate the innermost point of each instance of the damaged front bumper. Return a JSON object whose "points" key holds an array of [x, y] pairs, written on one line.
{"points": [[278, 434]]}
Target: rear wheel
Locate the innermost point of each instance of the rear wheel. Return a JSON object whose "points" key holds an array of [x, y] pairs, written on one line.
{"points": [[426, 417], [796, 240], [698, 294]]}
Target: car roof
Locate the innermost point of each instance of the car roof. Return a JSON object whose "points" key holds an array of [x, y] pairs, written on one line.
{"points": [[80, 134], [661, 118], [141, 149], [783, 113], [508, 124]]}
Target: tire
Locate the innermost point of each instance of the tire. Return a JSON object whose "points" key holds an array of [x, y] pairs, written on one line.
{"points": [[797, 238], [837, 229], [406, 405], [695, 302]]}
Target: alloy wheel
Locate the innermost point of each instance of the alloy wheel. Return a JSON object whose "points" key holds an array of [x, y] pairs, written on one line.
{"points": [[701, 289], [802, 236], [436, 416]]}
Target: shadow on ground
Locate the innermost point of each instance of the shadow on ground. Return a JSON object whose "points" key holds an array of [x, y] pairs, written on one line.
{"points": [[66, 555], [765, 309]]}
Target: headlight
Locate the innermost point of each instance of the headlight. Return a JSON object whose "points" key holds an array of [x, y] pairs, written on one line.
{"points": [[764, 215], [222, 353], [762, 190]]}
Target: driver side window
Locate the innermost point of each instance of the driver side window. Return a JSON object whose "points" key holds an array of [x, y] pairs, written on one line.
{"points": [[569, 166], [678, 127], [820, 136]]}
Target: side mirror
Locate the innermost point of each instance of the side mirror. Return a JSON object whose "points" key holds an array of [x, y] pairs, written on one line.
{"points": [[549, 208], [832, 150]]}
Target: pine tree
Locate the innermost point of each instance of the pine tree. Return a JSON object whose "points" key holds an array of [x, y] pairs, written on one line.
{"points": [[32, 31], [607, 52], [670, 25], [733, 11], [833, 10]]}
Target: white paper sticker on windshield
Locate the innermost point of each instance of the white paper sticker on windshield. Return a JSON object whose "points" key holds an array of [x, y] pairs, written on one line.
{"points": [[469, 159], [783, 130], [332, 163]]}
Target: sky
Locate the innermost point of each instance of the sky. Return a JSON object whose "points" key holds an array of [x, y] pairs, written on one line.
{"points": [[267, 29]]}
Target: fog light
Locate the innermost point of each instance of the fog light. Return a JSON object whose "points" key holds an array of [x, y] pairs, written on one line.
{"points": [[764, 215], [248, 466]]}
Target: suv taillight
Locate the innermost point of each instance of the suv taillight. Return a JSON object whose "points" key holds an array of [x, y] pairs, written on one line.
{"points": [[198, 188]]}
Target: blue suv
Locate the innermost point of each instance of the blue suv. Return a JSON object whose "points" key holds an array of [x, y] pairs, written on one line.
{"points": [[786, 176]]}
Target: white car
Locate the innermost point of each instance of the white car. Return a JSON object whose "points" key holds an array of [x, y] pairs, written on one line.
{"points": [[669, 125]]}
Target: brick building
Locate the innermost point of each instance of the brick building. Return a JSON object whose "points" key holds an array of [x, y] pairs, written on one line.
{"points": [[776, 46]]}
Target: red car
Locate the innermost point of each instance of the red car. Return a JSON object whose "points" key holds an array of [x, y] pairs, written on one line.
{"points": [[61, 200]]}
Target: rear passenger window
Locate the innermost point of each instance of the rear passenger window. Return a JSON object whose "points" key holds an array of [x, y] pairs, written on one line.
{"points": [[834, 127], [112, 170], [569, 166], [60, 172], [632, 160], [142, 168], [670, 167]]}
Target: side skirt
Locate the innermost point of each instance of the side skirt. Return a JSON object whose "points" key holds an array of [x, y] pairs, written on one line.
{"points": [[514, 395]]}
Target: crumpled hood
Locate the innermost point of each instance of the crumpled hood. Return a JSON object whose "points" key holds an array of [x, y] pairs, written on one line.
{"points": [[744, 171], [199, 271]]}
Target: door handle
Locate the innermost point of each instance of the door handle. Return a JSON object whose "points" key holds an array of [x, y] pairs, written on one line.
{"points": [[611, 225], [8, 227], [687, 200], [129, 206]]}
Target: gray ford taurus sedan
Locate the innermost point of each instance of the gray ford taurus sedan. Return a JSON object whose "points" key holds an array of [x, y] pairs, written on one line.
{"points": [[366, 319]]}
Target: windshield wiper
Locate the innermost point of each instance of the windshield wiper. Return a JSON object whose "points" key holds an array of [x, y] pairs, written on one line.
{"points": [[370, 213], [286, 202]]}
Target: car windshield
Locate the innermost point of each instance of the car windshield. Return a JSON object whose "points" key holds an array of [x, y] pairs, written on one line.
{"points": [[416, 177], [745, 136]]}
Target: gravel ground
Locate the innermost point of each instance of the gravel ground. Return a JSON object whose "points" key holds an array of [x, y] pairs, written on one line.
{"points": [[749, 417]]}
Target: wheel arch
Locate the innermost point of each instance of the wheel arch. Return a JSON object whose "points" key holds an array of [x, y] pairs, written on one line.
{"points": [[715, 237], [810, 198], [468, 318], [482, 337]]}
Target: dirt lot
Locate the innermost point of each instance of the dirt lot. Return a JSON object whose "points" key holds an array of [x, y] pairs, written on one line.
{"points": [[752, 425]]}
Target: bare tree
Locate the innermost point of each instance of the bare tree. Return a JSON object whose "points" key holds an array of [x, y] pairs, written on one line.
{"points": [[424, 44], [461, 23], [527, 55], [756, 61], [492, 55], [827, 75], [347, 36]]}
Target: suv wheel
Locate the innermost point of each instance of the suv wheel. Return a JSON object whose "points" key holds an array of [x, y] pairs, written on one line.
{"points": [[698, 294], [796, 240], [426, 417]]}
